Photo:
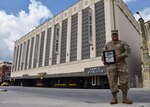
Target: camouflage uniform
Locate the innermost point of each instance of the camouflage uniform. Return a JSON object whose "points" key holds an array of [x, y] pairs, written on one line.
{"points": [[118, 70]]}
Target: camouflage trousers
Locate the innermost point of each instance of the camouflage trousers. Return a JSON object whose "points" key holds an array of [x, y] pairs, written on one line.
{"points": [[117, 72]]}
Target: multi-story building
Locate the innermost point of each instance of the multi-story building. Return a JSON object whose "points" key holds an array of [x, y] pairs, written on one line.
{"points": [[66, 50], [5, 70], [145, 28], [147, 32]]}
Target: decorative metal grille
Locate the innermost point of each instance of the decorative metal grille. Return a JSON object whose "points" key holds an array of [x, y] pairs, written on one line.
{"points": [[23, 55], [85, 32], [74, 29], [90, 12], [63, 41], [19, 57], [27, 52], [100, 27], [48, 47], [55, 43], [31, 52], [41, 49], [36, 51]]}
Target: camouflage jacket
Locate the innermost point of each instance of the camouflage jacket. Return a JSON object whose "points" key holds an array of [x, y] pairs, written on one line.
{"points": [[121, 48]]}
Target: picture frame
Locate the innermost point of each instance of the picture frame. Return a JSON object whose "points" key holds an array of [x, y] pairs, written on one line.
{"points": [[109, 57]]}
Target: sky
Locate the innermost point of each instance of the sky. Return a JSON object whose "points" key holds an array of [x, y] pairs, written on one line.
{"points": [[18, 17]]}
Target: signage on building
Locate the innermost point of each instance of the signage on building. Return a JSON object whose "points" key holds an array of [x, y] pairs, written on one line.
{"points": [[25, 75], [95, 70], [146, 68], [57, 38], [41, 74]]}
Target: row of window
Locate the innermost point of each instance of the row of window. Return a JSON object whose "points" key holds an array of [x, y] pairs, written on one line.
{"points": [[30, 53]]}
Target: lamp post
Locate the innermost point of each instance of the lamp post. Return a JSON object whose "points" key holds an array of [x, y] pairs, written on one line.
{"points": [[145, 58], [139, 14], [114, 18]]}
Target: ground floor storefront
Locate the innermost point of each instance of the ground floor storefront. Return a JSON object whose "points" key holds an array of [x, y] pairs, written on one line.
{"points": [[92, 77], [65, 82]]}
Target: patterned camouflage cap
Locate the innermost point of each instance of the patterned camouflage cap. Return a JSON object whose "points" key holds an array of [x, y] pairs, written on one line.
{"points": [[114, 32]]}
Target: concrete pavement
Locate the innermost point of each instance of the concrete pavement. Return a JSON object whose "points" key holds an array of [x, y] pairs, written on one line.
{"points": [[19, 99]]}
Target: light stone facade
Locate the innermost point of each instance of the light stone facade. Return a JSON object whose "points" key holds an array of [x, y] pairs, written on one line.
{"points": [[81, 44], [146, 55]]}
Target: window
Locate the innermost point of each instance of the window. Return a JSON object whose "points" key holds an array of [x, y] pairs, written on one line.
{"points": [[74, 30], [19, 57], [85, 34], [31, 52], [47, 47], [100, 27], [41, 49], [27, 52], [55, 43], [36, 51]]}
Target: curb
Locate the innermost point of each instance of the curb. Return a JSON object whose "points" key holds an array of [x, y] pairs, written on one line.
{"points": [[3, 90]]}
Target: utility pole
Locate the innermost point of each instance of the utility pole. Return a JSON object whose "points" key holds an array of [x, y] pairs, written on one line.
{"points": [[145, 56]]}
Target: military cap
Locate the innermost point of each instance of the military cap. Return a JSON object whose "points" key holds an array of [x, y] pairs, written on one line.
{"points": [[114, 32]]}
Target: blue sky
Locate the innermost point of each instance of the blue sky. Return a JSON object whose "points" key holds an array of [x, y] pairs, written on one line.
{"points": [[15, 6], [57, 6], [138, 5], [17, 17]]}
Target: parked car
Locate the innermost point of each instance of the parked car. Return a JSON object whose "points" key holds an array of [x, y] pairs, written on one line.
{"points": [[5, 84]]}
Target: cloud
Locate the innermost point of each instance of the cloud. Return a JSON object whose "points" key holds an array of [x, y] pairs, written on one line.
{"points": [[127, 1], [13, 27], [144, 13]]}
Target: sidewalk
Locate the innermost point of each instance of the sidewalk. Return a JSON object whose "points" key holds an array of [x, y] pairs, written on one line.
{"points": [[116, 105], [139, 89], [19, 99]]}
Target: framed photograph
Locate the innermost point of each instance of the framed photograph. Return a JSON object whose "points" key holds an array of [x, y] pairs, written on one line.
{"points": [[109, 57]]}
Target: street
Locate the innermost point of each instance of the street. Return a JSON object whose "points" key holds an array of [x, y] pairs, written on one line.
{"points": [[61, 97]]}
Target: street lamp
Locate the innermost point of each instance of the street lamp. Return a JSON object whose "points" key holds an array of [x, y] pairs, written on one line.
{"points": [[139, 14], [141, 20], [142, 25]]}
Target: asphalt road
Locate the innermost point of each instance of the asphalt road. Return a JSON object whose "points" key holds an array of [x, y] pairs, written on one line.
{"points": [[62, 97]]}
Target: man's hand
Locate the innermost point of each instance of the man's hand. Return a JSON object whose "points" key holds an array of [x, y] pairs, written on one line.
{"points": [[118, 59]]}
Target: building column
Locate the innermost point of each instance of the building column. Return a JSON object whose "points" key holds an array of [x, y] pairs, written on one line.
{"points": [[68, 40], [38, 53], [32, 63], [79, 36], [29, 53], [59, 43], [17, 57], [109, 15], [20, 56], [14, 59], [44, 47], [51, 45]]}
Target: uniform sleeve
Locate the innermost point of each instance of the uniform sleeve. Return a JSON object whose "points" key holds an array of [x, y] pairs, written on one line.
{"points": [[127, 50]]}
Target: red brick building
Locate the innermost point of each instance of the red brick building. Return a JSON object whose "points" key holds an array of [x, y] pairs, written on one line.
{"points": [[5, 70]]}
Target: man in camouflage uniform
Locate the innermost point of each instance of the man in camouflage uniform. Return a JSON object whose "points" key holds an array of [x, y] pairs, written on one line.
{"points": [[119, 69]]}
